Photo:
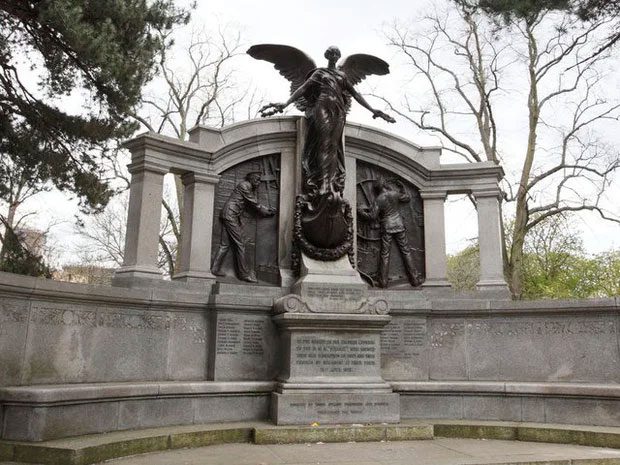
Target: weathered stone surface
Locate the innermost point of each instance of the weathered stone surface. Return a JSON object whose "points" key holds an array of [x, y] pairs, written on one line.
{"points": [[423, 406], [14, 316], [146, 413], [333, 407], [23, 423], [405, 349], [244, 346], [210, 437], [77, 343], [187, 347], [334, 356], [491, 408], [330, 287], [38, 413], [353, 433], [247, 407], [448, 349]]}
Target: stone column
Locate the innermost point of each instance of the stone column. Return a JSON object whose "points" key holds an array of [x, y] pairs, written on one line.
{"points": [[350, 193], [197, 228], [490, 241], [290, 187], [143, 218], [435, 239]]}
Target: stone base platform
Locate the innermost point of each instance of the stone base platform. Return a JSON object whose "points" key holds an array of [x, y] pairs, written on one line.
{"points": [[51, 412], [87, 450]]}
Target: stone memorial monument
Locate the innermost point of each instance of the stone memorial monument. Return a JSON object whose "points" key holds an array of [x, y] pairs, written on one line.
{"points": [[310, 287], [330, 329]]}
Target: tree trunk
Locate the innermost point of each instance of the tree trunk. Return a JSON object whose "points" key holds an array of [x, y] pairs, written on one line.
{"points": [[522, 215]]}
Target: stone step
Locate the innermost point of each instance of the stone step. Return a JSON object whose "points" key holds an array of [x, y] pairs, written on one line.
{"points": [[92, 449], [345, 433]]}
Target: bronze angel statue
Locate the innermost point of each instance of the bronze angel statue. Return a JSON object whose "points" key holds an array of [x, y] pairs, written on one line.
{"points": [[324, 94]]}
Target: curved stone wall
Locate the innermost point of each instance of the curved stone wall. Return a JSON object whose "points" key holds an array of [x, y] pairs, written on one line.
{"points": [[127, 358]]}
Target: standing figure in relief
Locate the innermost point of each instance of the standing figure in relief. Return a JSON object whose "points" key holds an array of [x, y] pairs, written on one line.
{"points": [[242, 199], [385, 210]]}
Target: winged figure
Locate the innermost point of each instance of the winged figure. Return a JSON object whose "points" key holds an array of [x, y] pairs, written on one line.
{"points": [[324, 94]]}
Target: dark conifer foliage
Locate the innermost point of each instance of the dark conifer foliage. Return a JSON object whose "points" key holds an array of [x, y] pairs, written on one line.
{"points": [[100, 50], [586, 9]]}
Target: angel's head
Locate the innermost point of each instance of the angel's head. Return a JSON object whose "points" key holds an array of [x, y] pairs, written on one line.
{"points": [[333, 55]]}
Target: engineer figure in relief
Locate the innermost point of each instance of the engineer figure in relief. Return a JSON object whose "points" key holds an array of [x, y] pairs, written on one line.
{"points": [[242, 199], [385, 210]]}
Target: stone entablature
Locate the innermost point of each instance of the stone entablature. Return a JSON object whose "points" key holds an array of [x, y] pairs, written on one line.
{"points": [[211, 151]]}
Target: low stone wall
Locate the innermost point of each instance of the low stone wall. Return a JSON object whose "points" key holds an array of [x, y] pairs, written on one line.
{"points": [[127, 358]]}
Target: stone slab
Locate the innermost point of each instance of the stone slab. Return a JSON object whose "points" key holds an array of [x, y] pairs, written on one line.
{"points": [[334, 356], [334, 408], [14, 317], [405, 349], [565, 445], [244, 347], [351, 433], [331, 287]]}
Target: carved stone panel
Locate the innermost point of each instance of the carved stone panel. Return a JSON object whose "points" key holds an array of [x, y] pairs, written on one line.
{"points": [[260, 232], [409, 211]]}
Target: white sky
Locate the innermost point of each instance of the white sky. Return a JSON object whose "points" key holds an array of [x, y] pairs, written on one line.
{"points": [[356, 27]]}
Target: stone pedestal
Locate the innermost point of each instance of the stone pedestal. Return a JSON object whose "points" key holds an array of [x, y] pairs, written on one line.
{"points": [[331, 353], [331, 287]]}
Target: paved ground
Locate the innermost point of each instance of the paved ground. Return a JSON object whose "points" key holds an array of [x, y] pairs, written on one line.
{"points": [[432, 452]]}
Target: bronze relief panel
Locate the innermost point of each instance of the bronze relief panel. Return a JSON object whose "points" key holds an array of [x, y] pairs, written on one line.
{"points": [[245, 227], [390, 229]]}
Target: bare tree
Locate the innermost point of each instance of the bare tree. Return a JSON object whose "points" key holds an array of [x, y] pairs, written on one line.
{"points": [[104, 235], [196, 85], [466, 64]]}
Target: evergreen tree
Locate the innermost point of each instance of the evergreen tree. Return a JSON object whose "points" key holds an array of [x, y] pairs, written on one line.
{"points": [[99, 50]]}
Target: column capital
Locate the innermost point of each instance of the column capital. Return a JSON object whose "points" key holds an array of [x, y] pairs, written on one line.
{"points": [[487, 192], [193, 177], [433, 195], [140, 166]]}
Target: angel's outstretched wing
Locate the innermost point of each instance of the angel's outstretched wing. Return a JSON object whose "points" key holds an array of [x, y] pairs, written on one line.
{"points": [[292, 63], [360, 65]]}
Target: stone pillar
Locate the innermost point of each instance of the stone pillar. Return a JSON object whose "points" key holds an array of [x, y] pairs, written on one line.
{"points": [[290, 187], [143, 219], [435, 239], [490, 241], [197, 228], [350, 193]]}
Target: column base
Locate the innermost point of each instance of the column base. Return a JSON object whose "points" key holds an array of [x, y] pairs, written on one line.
{"points": [[434, 283], [136, 276], [195, 277], [496, 286]]}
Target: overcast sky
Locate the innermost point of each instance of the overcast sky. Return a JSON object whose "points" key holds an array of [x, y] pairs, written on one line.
{"points": [[356, 27]]}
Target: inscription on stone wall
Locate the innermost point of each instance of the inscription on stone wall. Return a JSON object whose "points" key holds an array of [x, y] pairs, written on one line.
{"points": [[239, 336], [335, 294], [12, 316], [67, 315], [338, 408], [333, 356], [561, 327], [403, 338], [446, 334]]}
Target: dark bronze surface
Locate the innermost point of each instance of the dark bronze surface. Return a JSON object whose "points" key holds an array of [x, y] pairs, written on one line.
{"points": [[389, 224], [246, 202], [323, 220]]}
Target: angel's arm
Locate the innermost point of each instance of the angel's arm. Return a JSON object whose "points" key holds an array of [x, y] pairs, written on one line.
{"points": [[362, 101], [301, 90], [273, 108]]}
